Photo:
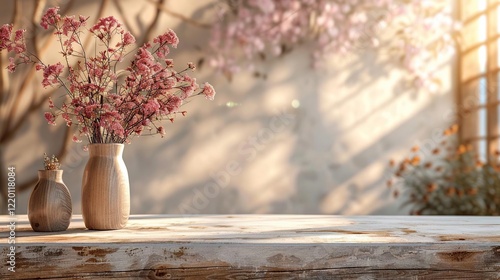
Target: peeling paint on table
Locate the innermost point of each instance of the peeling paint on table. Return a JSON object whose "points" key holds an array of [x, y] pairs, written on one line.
{"points": [[261, 247]]}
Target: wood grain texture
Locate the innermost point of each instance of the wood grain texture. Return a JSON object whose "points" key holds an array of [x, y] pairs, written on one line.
{"points": [[105, 188], [263, 247], [49, 206]]}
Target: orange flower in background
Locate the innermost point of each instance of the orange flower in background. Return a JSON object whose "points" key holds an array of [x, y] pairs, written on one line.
{"points": [[454, 128], [432, 187], [461, 149], [402, 168], [392, 163], [472, 191], [451, 130], [415, 160], [448, 179]]}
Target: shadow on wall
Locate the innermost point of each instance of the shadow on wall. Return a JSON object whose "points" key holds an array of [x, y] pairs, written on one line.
{"points": [[299, 141], [342, 160], [341, 126]]}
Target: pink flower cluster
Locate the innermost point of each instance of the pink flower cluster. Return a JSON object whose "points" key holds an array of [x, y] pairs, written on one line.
{"points": [[12, 43], [252, 29], [105, 107]]}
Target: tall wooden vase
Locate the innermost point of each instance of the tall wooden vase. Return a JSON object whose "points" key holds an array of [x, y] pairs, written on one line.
{"points": [[49, 206], [105, 188]]}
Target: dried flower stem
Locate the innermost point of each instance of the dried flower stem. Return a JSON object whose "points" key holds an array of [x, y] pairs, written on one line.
{"points": [[51, 163]]}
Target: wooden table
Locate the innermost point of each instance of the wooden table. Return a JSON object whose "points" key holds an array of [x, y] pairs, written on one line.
{"points": [[261, 247]]}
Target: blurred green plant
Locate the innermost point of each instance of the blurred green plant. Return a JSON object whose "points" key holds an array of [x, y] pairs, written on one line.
{"points": [[451, 179]]}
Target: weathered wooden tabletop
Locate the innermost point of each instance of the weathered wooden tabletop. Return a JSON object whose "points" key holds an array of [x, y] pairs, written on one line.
{"points": [[260, 247]]}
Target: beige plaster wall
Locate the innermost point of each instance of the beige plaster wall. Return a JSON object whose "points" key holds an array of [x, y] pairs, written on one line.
{"points": [[300, 141]]}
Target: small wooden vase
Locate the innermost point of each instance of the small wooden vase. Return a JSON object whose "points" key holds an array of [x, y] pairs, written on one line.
{"points": [[49, 206], [105, 188]]}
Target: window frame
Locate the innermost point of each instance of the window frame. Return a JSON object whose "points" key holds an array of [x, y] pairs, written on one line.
{"points": [[470, 88]]}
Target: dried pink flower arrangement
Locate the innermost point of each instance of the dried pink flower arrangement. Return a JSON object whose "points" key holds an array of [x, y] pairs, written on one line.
{"points": [[107, 104]]}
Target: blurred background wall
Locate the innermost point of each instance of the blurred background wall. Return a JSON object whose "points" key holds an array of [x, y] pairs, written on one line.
{"points": [[290, 139]]}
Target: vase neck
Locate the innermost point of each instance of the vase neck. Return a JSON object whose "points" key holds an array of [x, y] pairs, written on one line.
{"points": [[106, 150], [53, 175]]}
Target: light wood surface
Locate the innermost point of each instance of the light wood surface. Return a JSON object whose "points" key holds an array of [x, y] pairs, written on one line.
{"points": [[262, 247]]}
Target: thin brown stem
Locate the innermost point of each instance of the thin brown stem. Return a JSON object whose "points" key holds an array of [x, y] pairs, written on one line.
{"points": [[17, 13], [122, 13], [11, 126], [10, 130], [153, 24], [4, 80], [159, 5]]}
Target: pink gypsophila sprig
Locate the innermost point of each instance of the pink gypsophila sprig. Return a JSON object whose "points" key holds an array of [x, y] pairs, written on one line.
{"points": [[105, 108]]}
